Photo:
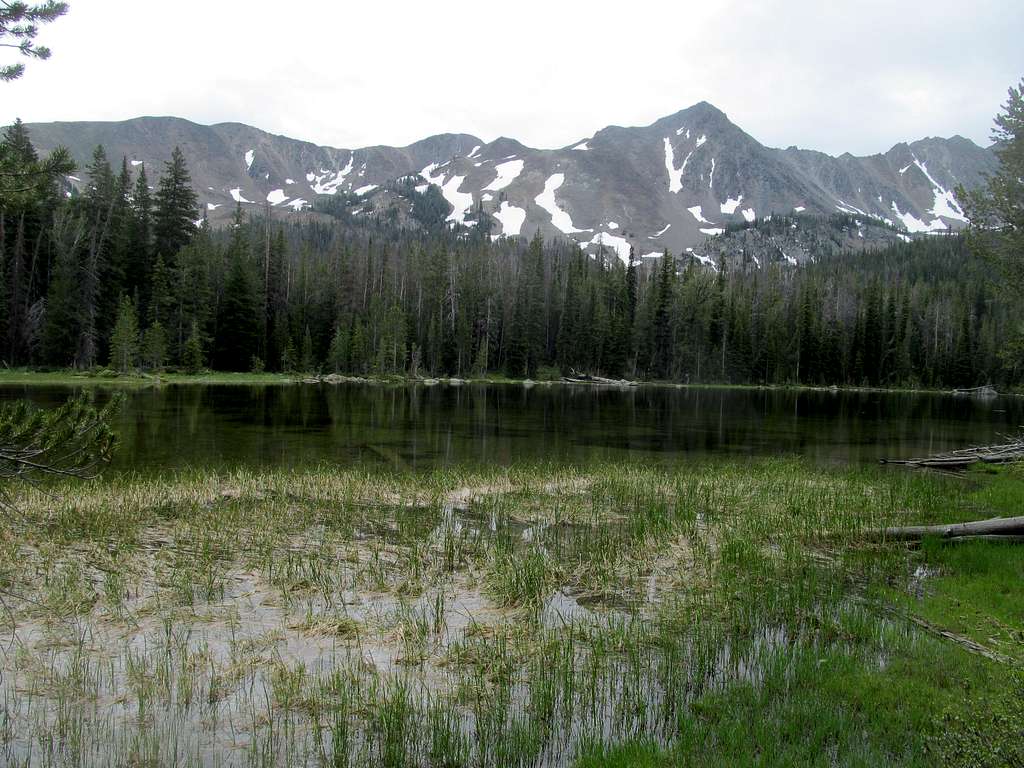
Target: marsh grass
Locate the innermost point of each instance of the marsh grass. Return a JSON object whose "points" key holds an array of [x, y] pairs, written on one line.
{"points": [[527, 615]]}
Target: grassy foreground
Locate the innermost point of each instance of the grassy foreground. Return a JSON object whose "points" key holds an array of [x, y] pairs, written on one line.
{"points": [[712, 614]]}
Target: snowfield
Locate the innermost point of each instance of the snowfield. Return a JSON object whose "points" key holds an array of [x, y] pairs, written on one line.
{"points": [[460, 201], [619, 244], [511, 219], [675, 177], [697, 212], [507, 173], [546, 200], [326, 182], [729, 206]]}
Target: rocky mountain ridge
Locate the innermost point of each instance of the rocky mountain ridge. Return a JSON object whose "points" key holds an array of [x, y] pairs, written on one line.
{"points": [[673, 184]]}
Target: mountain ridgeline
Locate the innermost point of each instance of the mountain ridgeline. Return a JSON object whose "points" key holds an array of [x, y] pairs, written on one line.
{"points": [[671, 184], [123, 271]]}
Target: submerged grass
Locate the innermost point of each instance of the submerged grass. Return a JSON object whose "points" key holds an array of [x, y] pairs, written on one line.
{"points": [[708, 614]]}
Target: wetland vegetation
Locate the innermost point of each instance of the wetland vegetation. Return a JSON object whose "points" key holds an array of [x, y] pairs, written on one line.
{"points": [[720, 611]]}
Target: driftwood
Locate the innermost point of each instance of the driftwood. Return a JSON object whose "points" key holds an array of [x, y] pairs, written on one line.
{"points": [[997, 528], [1003, 453], [586, 378], [984, 391]]}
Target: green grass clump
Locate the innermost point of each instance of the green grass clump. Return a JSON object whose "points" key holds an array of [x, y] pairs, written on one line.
{"points": [[721, 613]]}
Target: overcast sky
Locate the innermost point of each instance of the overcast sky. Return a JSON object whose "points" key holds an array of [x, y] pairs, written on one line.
{"points": [[834, 76]]}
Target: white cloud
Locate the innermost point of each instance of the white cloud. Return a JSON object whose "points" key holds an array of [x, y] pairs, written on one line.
{"points": [[834, 76]]}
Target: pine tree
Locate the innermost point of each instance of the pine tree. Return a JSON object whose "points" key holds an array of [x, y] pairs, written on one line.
{"points": [[192, 357], [996, 212], [154, 347], [63, 318], [139, 259], [337, 355], [238, 323], [308, 363], [19, 25], [176, 208], [124, 341], [662, 325]]}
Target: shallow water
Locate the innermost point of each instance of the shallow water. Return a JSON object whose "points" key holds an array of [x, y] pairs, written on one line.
{"points": [[420, 427]]}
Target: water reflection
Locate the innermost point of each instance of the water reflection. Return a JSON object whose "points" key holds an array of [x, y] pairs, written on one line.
{"points": [[421, 427]]}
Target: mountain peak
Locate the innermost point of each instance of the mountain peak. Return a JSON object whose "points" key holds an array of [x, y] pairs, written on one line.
{"points": [[672, 184]]}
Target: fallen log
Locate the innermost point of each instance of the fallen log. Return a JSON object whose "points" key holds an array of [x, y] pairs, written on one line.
{"points": [[1001, 527]]}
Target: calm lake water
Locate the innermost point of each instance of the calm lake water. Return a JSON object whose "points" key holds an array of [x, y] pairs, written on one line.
{"points": [[421, 427]]}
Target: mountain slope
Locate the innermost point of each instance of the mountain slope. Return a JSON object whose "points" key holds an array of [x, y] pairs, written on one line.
{"points": [[671, 184]]}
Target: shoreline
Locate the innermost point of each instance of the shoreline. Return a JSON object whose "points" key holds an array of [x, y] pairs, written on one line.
{"points": [[220, 378]]}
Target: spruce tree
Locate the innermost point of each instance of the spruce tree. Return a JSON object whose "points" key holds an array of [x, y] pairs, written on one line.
{"points": [[19, 25], [238, 323], [176, 208], [154, 346], [192, 356], [139, 247], [124, 341]]}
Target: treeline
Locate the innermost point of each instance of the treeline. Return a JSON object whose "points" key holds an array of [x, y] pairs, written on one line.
{"points": [[132, 278]]}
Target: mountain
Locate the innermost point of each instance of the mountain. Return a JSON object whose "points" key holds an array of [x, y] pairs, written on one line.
{"points": [[672, 184]]}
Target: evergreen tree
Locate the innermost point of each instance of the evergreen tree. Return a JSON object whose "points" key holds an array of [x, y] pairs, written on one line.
{"points": [[996, 211], [154, 347], [176, 208], [124, 341], [238, 324], [192, 357], [308, 363], [337, 355], [139, 246], [19, 25]]}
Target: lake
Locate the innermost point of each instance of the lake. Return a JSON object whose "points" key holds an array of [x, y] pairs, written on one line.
{"points": [[422, 427]]}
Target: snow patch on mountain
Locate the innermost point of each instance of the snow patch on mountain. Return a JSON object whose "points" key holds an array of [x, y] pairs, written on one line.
{"points": [[277, 196], [913, 224], [713, 231], [583, 146], [365, 189], [849, 209], [705, 260], [136, 163], [749, 214], [697, 212], [675, 177], [945, 202], [249, 157], [800, 209], [619, 244], [729, 206], [507, 173], [546, 200], [473, 152], [326, 182], [460, 201], [701, 141], [289, 181], [298, 204], [237, 196], [212, 206], [683, 129], [712, 184], [511, 219], [613, 225]]}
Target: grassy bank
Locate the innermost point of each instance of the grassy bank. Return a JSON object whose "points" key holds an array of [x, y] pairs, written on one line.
{"points": [[721, 613]]}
